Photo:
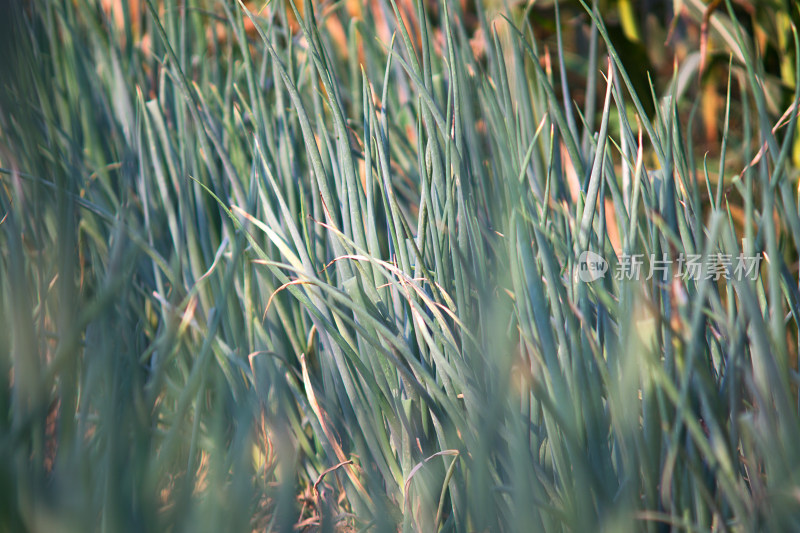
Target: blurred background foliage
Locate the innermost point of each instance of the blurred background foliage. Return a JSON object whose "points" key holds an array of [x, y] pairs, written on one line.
{"points": [[652, 36]]}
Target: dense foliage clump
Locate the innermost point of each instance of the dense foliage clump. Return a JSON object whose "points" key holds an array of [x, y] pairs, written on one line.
{"points": [[384, 265]]}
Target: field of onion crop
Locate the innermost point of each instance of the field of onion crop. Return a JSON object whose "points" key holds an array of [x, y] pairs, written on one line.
{"points": [[399, 265]]}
